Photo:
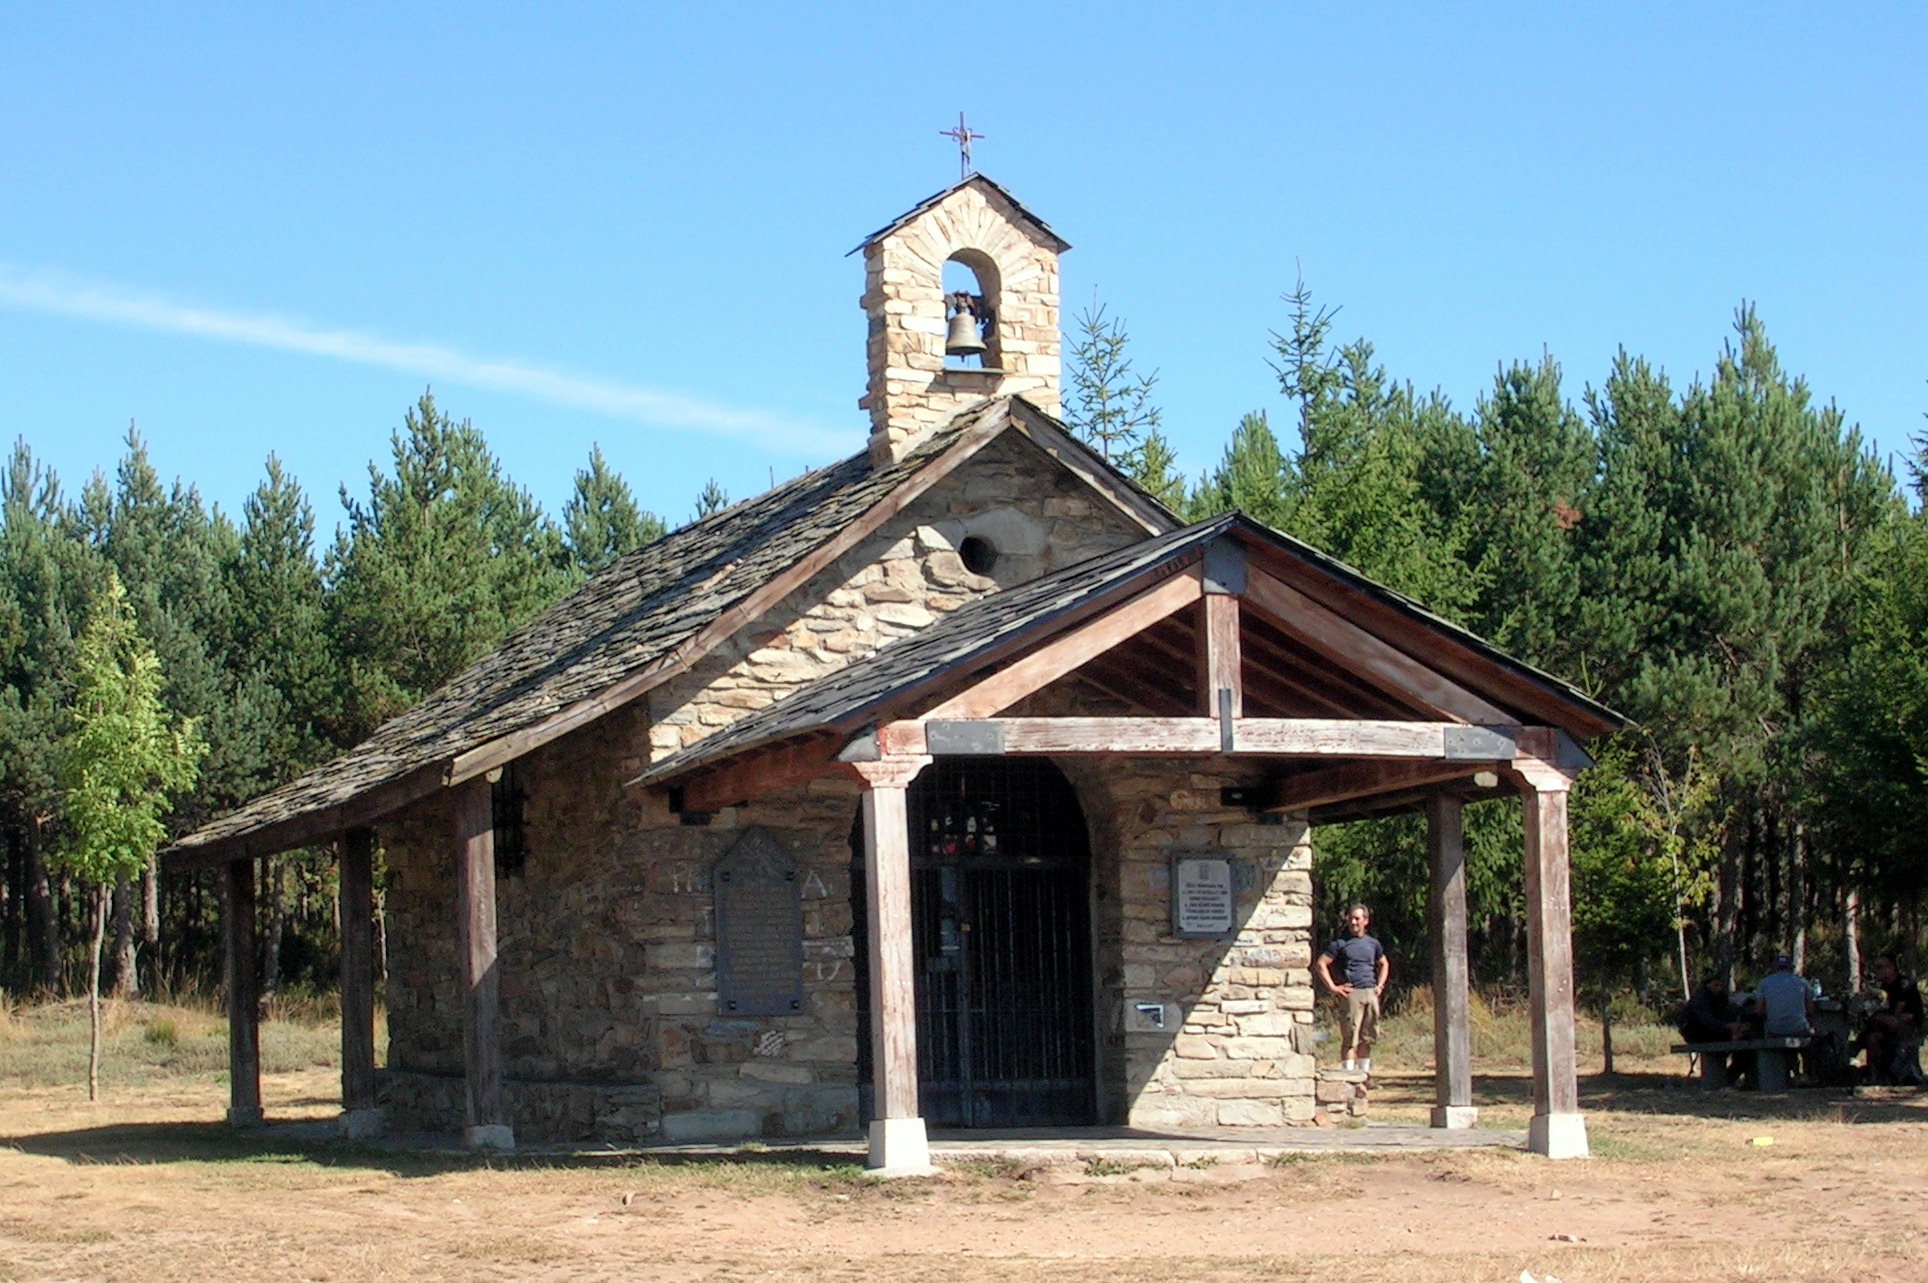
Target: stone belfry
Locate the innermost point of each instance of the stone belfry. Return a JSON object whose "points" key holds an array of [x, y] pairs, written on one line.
{"points": [[1013, 255]]}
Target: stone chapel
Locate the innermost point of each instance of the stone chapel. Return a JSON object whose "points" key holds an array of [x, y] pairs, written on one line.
{"points": [[955, 785]]}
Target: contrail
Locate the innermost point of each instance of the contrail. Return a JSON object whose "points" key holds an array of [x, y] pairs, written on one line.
{"points": [[95, 301]]}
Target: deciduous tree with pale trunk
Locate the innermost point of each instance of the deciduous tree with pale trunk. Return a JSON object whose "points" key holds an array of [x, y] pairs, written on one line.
{"points": [[117, 763]]}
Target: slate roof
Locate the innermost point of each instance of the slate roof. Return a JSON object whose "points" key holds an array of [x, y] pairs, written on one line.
{"points": [[628, 615], [1057, 242], [846, 700]]}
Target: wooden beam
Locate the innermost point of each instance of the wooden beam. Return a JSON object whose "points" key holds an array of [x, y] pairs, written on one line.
{"points": [[1457, 660], [764, 771], [310, 828], [897, 1138], [244, 995], [356, 903], [499, 752], [488, 1122], [1258, 736], [1452, 1003], [1346, 643], [1362, 779], [1221, 664], [1067, 652], [1556, 1128]]}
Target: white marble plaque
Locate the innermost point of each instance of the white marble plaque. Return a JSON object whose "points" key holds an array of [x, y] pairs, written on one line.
{"points": [[1204, 902]]}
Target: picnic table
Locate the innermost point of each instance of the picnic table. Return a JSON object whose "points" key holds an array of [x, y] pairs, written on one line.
{"points": [[1771, 1059]]}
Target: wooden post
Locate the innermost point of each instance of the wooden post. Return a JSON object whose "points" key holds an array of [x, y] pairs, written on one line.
{"points": [[899, 1145], [361, 1118], [1220, 665], [1452, 1039], [488, 1124], [244, 1000], [1557, 1128]]}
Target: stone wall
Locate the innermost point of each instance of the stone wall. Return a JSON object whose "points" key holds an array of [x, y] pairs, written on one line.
{"points": [[606, 938], [1038, 517], [1235, 1049], [910, 391]]}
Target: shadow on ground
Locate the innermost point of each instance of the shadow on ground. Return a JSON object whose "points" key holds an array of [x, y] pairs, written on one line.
{"points": [[215, 1142], [1675, 1095]]}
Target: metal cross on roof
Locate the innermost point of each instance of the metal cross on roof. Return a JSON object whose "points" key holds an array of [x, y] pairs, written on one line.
{"points": [[963, 135]]}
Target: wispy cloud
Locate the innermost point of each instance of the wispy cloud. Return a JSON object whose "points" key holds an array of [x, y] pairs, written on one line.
{"points": [[116, 305]]}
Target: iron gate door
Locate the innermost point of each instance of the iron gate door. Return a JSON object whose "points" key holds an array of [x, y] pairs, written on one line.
{"points": [[1001, 933]]}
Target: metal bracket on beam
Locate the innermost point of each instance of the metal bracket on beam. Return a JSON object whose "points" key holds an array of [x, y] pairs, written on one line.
{"points": [[1224, 568], [861, 748], [1568, 755], [1480, 744], [964, 739], [1227, 739]]}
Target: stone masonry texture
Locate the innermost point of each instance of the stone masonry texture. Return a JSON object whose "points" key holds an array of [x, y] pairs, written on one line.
{"points": [[910, 390]]}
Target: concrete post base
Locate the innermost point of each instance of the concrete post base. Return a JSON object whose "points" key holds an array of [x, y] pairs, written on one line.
{"points": [[1558, 1135], [496, 1136], [362, 1124], [250, 1117], [899, 1147], [1456, 1117]]}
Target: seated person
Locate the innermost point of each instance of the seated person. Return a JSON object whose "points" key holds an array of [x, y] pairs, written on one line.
{"points": [[1709, 1017], [1783, 1004], [1893, 1035]]}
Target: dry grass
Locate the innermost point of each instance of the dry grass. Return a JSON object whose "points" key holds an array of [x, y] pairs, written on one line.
{"points": [[150, 1185], [145, 1043]]}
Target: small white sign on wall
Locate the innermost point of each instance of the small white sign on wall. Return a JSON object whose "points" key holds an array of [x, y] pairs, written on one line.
{"points": [[1204, 898]]}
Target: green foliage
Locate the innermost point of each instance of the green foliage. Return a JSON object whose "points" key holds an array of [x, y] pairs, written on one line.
{"points": [[601, 521], [121, 756], [713, 499], [1253, 477], [1626, 870], [1154, 465], [1108, 405], [1869, 750], [444, 558]]}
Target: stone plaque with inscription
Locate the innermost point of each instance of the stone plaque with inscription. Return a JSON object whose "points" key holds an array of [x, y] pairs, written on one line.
{"points": [[1204, 901], [759, 929]]}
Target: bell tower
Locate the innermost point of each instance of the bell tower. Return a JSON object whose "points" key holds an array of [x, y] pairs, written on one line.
{"points": [[933, 352]]}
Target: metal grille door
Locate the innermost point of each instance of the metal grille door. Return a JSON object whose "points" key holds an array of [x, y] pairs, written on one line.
{"points": [[1000, 877]]}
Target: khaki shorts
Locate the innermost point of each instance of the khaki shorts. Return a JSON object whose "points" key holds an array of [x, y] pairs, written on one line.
{"points": [[1362, 1016]]}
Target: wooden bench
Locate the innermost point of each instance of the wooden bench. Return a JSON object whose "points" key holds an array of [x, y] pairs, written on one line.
{"points": [[1772, 1057]]}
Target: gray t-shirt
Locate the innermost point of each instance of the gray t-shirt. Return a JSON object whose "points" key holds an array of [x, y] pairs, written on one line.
{"points": [[1358, 959], [1783, 997]]}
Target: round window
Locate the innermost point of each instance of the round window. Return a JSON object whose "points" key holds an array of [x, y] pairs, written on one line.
{"points": [[978, 554]]}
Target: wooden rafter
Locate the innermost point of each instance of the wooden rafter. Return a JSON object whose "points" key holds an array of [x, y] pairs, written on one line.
{"points": [[1363, 779], [1346, 643], [1045, 665]]}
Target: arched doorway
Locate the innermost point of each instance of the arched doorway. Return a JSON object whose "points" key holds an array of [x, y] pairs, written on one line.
{"points": [[1001, 934]]}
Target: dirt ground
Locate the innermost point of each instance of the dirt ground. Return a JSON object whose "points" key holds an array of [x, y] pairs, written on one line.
{"points": [[147, 1186]]}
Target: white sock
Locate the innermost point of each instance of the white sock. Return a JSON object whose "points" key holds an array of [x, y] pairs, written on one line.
{"points": [[1365, 1065], [1349, 1065]]}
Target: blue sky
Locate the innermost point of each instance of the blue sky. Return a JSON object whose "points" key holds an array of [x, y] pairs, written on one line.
{"points": [[267, 228]]}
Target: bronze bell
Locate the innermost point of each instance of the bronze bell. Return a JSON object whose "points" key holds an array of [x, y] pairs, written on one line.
{"points": [[964, 338]]}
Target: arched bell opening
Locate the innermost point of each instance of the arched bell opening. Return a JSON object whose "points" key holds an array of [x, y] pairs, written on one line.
{"points": [[1001, 936], [971, 285]]}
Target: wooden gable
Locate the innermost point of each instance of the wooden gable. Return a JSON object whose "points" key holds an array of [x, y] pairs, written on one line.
{"points": [[1223, 640]]}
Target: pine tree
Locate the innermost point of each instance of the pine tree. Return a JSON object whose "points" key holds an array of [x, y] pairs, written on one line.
{"points": [[1109, 406], [279, 632], [713, 499], [1253, 477], [116, 765], [441, 561], [1534, 461], [1154, 466], [601, 521]]}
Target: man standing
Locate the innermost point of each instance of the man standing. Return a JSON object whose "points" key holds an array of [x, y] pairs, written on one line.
{"points": [[1363, 964]]}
